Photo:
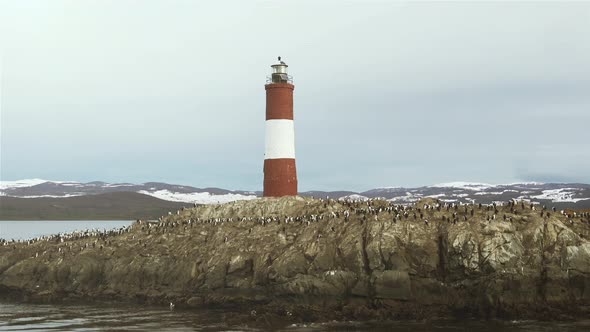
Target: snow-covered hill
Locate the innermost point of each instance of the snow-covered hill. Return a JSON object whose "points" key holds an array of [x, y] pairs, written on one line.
{"points": [[573, 195], [35, 188]]}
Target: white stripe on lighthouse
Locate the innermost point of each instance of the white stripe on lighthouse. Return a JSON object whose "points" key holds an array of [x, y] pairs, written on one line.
{"points": [[280, 139]]}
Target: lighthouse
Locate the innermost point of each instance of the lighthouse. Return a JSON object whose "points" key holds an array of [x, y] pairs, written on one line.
{"points": [[280, 175]]}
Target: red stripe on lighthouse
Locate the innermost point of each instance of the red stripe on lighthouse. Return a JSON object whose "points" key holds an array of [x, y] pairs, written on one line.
{"points": [[279, 101]]}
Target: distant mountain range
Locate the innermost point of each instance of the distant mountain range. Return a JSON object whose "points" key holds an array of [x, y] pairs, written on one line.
{"points": [[560, 195], [37, 188]]}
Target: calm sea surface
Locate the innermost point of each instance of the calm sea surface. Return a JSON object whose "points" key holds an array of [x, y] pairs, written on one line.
{"points": [[116, 317], [25, 229], [25, 317]]}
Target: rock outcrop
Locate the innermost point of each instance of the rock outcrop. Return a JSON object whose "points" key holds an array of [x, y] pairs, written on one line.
{"points": [[370, 265]]}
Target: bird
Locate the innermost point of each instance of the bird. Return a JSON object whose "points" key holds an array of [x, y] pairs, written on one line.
{"points": [[279, 58], [172, 306]]}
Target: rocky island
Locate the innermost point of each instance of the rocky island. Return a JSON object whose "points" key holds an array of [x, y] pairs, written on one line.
{"points": [[305, 259]]}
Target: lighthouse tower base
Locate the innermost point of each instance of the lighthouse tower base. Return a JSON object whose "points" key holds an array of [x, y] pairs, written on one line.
{"points": [[280, 177]]}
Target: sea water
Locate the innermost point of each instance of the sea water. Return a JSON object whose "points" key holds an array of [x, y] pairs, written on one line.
{"points": [[28, 229], [102, 317]]}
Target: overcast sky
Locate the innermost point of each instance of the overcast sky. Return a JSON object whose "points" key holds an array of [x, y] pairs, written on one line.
{"points": [[386, 93]]}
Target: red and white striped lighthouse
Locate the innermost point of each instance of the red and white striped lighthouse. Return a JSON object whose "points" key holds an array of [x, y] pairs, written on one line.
{"points": [[280, 175]]}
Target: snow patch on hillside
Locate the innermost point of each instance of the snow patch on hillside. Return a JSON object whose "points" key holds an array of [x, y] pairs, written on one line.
{"points": [[198, 198], [21, 183], [525, 184], [354, 197], [465, 185], [387, 189], [54, 196], [33, 182], [560, 195], [409, 197], [114, 185]]}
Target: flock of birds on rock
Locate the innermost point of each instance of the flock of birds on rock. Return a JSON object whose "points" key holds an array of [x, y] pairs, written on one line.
{"points": [[347, 210], [67, 242], [378, 207]]}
